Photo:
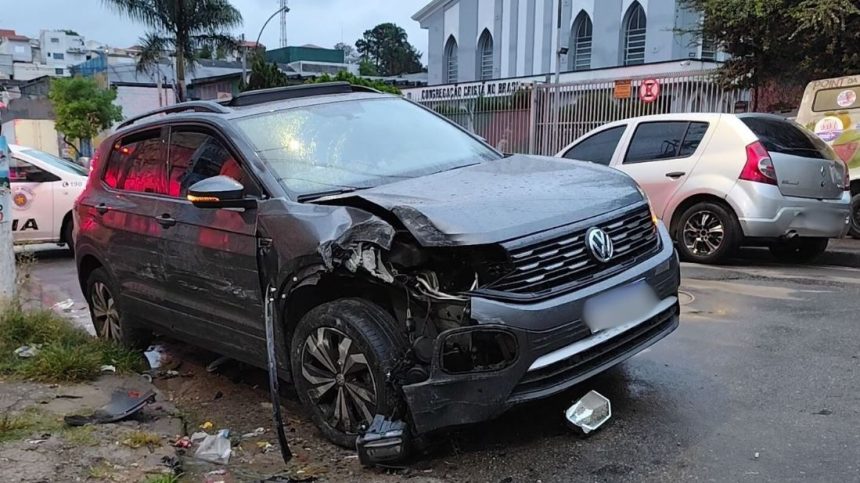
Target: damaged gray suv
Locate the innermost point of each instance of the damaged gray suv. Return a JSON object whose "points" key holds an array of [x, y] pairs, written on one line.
{"points": [[416, 273]]}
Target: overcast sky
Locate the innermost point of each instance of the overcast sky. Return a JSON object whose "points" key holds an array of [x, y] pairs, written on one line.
{"points": [[320, 22]]}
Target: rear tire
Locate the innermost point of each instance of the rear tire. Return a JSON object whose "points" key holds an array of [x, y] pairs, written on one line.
{"points": [[707, 232], [799, 250], [108, 319], [854, 229], [67, 236], [341, 353]]}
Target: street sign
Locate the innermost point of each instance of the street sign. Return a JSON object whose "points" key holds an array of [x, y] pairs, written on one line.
{"points": [[649, 90], [623, 88]]}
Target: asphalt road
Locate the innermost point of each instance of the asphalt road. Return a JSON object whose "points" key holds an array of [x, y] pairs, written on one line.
{"points": [[759, 383]]}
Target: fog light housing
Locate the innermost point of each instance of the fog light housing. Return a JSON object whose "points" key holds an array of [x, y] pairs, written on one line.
{"points": [[478, 350], [589, 413]]}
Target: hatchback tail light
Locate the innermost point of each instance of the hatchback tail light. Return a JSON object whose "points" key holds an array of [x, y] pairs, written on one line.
{"points": [[759, 167]]}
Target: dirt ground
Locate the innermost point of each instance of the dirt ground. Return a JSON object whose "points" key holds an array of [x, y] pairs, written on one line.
{"points": [[234, 397]]}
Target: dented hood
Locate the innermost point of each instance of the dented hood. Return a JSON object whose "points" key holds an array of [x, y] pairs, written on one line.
{"points": [[500, 200]]}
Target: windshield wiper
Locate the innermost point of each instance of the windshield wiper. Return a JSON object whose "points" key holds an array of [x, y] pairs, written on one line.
{"points": [[322, 194]]}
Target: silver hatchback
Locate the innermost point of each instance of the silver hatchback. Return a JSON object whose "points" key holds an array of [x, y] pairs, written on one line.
{"points": [[720, 181]]}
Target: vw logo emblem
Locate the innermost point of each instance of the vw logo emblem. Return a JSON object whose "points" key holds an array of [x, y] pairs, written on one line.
{"points": [[600, 244]]}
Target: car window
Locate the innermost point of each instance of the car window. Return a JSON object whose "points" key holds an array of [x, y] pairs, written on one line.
{"points": [[137, 164], [23, 172], [55, 162], [655, 141], [597, 148], [194, 155], [781, 136]]}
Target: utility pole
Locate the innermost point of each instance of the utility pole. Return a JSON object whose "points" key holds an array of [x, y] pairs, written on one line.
{"points": [[7, 253], [244, 60]]}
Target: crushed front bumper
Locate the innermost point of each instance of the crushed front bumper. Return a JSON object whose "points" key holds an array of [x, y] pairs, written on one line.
{"points": [[555, 348]]}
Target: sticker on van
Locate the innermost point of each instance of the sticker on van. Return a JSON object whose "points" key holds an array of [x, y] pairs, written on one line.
{"points": [[829, 128], [846, 98]]}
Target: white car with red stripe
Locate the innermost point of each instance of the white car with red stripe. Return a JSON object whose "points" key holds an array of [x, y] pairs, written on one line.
{"points": [[44, 188]]}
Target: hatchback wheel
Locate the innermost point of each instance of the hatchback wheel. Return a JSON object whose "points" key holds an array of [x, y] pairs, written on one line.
{"points": [[707, 233], [799, 250], [340, 354], [854, 230], [108, 320]]}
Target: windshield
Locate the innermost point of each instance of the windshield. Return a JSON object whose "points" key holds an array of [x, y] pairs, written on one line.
{"points": [[55, 162], [358, 144]]}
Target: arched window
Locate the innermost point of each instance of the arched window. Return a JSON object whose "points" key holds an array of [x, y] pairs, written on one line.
{"points": [[579, 57], [451, 61], [634, 35], [485, 56]]}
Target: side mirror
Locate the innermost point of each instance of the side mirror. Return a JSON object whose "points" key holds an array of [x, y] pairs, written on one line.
{"points": [[219, 192]]}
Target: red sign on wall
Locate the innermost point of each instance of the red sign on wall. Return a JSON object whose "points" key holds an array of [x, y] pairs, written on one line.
{"points": [[649, 91]]}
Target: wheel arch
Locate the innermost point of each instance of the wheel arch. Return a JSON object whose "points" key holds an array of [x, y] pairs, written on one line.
{"points": [[67, 218], [855, 187], [679, 210], [87, 264]]}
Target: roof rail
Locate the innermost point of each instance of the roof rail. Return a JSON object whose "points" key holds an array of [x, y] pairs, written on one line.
{"points": [[250, 98], [197, 106]]}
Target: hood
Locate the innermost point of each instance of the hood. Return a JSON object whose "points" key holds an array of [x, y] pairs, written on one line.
{"points": [[500, 200]]}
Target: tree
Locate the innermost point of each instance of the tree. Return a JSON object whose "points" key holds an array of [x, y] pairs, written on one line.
{"points": [[387, 47], [264, 75], [345, 76], [349, 54], [180, 28], [778, 42], [82, 108], [365, 67]]}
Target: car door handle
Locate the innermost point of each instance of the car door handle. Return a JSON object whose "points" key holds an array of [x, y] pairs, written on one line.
{"points": [[165, 220], [102, 208], [675, 174]]}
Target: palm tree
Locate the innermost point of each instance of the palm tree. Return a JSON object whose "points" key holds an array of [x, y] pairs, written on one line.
{"points": [[181, 27]]}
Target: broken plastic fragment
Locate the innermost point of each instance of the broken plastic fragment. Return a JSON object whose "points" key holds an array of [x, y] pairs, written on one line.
{"points": [[123, 403], [65, 305], [107, 368], [254, 433], [215, 448], [27, 351], [590, 412], [206, 425], [155, 355]]}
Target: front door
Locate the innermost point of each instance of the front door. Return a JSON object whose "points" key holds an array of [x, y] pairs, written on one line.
{"points": [[32, 202], [661, 156], [210, 255]]}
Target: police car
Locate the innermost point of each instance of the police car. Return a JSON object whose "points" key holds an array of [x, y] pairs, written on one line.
{"points": [[44, 188]]}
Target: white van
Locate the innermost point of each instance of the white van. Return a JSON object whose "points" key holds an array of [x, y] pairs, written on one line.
{"points": [[44, 189], [831, 109]]}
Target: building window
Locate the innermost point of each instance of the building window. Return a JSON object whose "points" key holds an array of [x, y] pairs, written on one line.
{"points": [[451, 61], [634, 35], [58, 71], [580, 43], [485, 56], [55, 40], [59, 56], [709, 49]]}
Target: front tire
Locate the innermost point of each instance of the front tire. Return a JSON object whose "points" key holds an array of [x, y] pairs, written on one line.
{"points": [[854, 229], [341, 352], [707, 232], [799, 250], [109, 321]]}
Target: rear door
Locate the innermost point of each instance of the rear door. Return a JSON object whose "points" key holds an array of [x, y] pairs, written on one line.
{"points": [[661, 155], [32, 202], [210, 255], [805, 166]]}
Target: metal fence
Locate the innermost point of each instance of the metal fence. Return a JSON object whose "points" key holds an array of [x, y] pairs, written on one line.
{"points": [[543, 118]]}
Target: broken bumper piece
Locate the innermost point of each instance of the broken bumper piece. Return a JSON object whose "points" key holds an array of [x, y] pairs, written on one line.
{"points": [[545, 361]]}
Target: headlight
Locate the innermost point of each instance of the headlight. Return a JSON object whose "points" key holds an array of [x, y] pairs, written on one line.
{"points": [[654, 217]]}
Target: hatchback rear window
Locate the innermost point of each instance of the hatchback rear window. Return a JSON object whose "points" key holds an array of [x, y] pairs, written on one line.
{"points": [[780, 136]]}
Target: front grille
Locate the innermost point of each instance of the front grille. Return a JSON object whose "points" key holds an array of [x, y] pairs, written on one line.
{"points": [[576, 366], [564, 262]]}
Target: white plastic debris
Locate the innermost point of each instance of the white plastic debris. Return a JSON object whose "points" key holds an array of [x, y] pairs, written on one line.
{"points": [[215, 448], [107, 368], [198, 436], [65, 305], [155, 356], [590, 412], [27, 351], [254, 433]]}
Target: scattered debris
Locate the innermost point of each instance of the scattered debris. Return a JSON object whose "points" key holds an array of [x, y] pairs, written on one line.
{"points": [[824, 412], [198, 436], [183, 442], [207, 425], [123, 403], [755, 455], [384, 441], [254, 433], [107, 368], [215, 448], [154, 355], [169, 374], [65, 305], [36, 441], [264, 446], [217, 363], [589, 413], [27, 351]]}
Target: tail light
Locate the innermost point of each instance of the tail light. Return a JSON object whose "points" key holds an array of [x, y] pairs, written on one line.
{"points": [[759, 167]]}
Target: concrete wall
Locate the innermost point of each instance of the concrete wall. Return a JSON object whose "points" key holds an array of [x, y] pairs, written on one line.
{"points": [[525, 40]]}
